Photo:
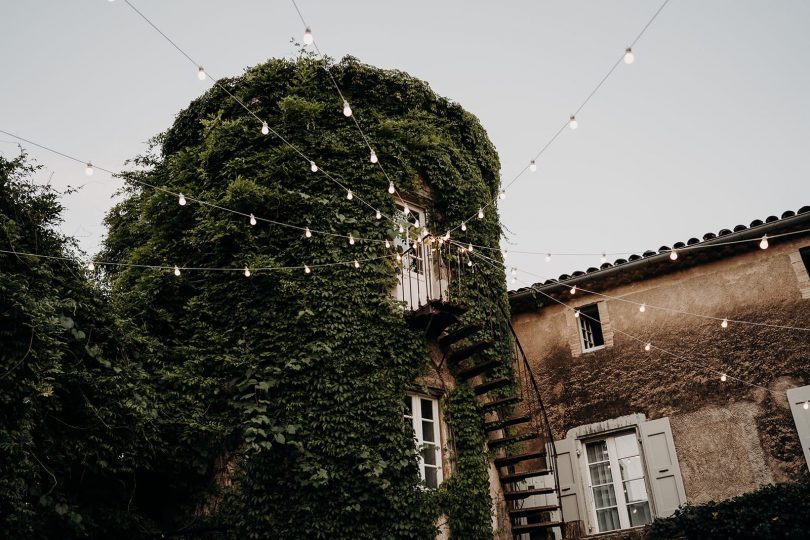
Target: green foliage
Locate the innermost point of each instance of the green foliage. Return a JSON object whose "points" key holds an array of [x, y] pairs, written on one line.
{"points": [[75, 408], [281, 394], [774, 511]]}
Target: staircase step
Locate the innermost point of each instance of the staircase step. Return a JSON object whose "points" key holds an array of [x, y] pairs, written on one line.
{"points": [[477, 369], [523, 493], [500, 424], [503, 402], [523, 512], [449, 307], [517, 477], [494, 384], [457, 335], [494, 443], [465, 352], [534, 527], [511, 460]]}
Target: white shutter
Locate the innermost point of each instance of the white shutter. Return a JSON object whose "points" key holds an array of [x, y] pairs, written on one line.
{"points": [[797, 397], [662, 466], [568, 472]]}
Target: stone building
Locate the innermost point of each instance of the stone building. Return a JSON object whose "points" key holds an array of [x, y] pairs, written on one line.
{"points": [[655, 394]]}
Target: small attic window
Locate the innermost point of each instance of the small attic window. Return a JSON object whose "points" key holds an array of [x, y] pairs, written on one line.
{"points": [[805, 254], [590, 328]]}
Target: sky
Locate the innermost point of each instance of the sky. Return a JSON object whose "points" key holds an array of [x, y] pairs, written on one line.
{"points": [[707, 129]]}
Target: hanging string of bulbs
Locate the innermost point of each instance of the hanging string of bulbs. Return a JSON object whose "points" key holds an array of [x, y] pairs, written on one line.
{"points": [[648, 346], [642, 306]]}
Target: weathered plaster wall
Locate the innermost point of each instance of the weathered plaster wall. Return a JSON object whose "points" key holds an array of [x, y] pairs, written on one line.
{"points": [[730, 437]]}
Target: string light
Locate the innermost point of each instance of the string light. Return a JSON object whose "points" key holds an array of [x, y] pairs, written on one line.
{"points": [[356, 263], [399, 257], [647, 347], [572, 122], [470, 247], [416, 223], [502, 194], [532, 166], [673, 255], [176, 271], [576, 314], [463, 226], [91, 266], [806, 405], [349, 195], [480, 213], [247, 272], [378, 215], [373, 157], [406, 209], [764, 243], [603, 258], [88, 170], [573, 290], [351, 239], [391, 188], [629, 57], [642, 308], [446, 236], [548, 257], [347, 110], [201, 73], [307, 233], [307, 270], [308, 36], [313, 167], [181, 200], [401, 228], [469, 262], [723, 377], [265, 128], [387, 243], [724, 324], [252, 220]]}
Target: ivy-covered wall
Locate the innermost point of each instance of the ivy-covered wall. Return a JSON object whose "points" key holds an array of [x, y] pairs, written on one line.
{"points": [[282, 393]]}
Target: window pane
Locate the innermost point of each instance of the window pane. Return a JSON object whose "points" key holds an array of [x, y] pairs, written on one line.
{"points": [[427, 409], [631, 468], [431, 477], [639, 514], [635, 490], [626, 445], [429, 454], [408, 406], [600, 474], [608, 519], [604, 496], [597, 451], [427, 431]]}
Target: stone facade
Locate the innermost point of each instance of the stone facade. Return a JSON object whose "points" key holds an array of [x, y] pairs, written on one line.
{"points": [[731, 437]]}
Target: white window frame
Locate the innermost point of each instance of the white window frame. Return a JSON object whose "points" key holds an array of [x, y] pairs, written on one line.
{"points": [[407, 239], [582, 321], [416, 421]]}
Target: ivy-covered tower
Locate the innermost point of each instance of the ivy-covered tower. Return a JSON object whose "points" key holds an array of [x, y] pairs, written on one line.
{"points": [[290, 399]]}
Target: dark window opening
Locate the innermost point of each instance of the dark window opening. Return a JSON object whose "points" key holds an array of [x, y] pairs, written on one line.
{"points": [[805, 253], [590, 328]]}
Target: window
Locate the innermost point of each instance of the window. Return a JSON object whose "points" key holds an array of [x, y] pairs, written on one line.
{"points": [[799, 400], [423, 414], [617, 482], [413, 228], [590, 328], [805, 255]]}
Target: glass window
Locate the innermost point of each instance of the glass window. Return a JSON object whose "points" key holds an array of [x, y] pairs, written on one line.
{"points": [[413, 228], [590, 328], [422, 414], [619, 490]]}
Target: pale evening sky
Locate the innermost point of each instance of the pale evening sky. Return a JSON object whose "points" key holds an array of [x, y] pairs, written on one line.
{"points": [[710, 127]]}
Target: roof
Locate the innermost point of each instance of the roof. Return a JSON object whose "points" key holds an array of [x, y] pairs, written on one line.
{"points": [[656, 262]]}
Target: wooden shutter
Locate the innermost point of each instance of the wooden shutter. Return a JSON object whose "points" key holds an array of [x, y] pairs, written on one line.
{"points": [[662, 466], [570, 486], [797, 397]]}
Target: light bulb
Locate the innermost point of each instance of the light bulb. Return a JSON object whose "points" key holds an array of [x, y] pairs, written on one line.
{"points": [[176, 271], [356, 263], [401, 228], [416, 223], [502, 194], [576, 314], [399, 257], [647, 347], [724, 323], [806, 405], [673, 255], [373, 157], [463, 226], [378, 215], [182, 200], [391, 188], [201, 73], [406, 210], [642, 308], [307, 233], [573, 290], [514, 270], [252, 219], [447, 236], [313, 167], [469, 262], [470, 247], [764, 243], [387, 243], [265, 128], [351, 240], [307, 270], [548, 257], [91, 266], [572, 123], [347, 111], [308, 36], [629, 57], [723, 377], [88, 170], [349, 195], [247, 272], [480, 213], [603, 258], [532, 166]]}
